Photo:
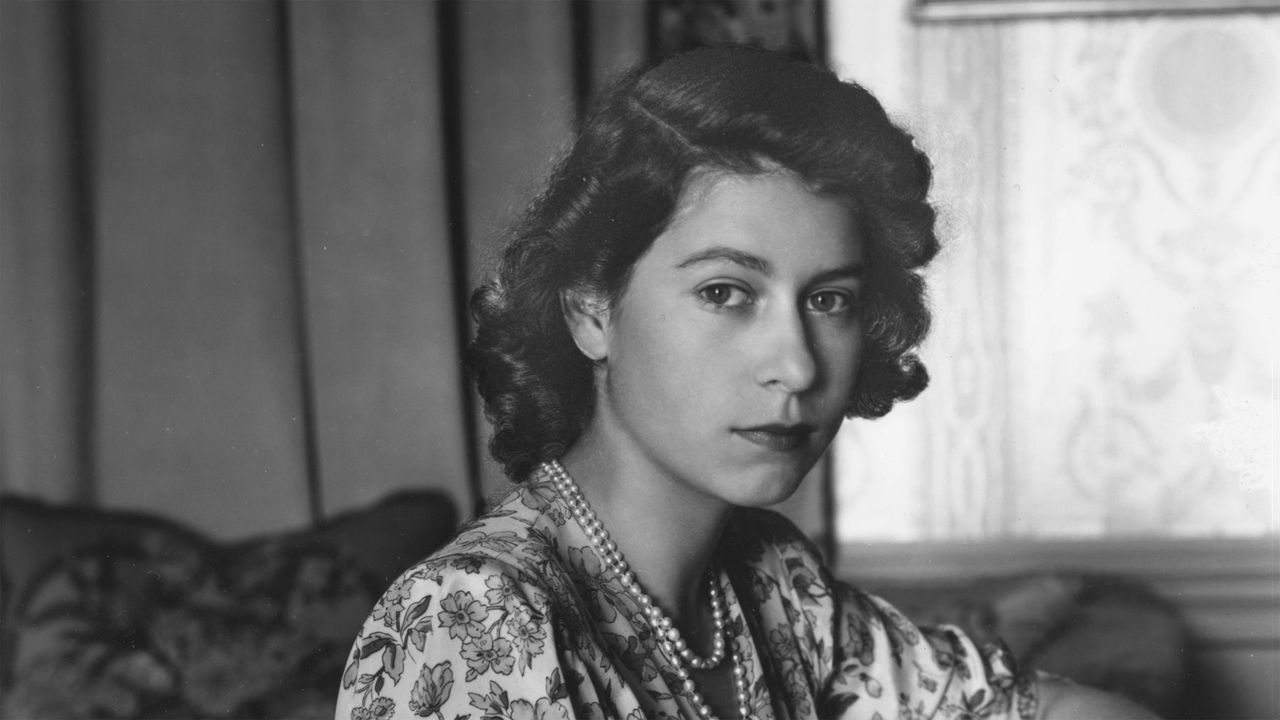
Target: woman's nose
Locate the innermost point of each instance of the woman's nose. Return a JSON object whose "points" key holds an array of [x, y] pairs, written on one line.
{"points": [[786, 360]]}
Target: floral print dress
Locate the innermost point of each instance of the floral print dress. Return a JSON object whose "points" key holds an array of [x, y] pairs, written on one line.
{"points": [[515, 619]]}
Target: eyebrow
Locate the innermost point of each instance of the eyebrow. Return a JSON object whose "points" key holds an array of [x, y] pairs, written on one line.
{"points": [[737, 257], [762, 266]]}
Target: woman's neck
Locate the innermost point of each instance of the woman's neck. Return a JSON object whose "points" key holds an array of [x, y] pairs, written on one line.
{"points": [[665, 528]]}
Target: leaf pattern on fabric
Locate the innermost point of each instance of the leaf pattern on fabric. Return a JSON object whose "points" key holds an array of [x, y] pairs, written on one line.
{"points": [[516, 619], [432, 689]]}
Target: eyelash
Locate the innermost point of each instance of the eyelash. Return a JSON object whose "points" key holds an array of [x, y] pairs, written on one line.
{"points": [[847, 300], [704, 292]]}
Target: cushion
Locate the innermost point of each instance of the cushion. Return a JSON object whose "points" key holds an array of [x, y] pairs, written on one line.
{"points": [[114, 614]]}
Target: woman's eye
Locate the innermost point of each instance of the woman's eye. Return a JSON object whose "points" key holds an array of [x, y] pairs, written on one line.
{"points": [[830, 302], [724, 295]]}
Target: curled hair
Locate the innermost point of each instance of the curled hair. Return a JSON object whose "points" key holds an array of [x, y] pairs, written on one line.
{"points": [[725, 108]]}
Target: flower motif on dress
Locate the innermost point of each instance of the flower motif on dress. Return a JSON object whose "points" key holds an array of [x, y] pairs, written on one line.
{"points": [[808, 586], [493, 705], [392, 602], [947, 654], [462, 614], [634, 653], [415, 625], [970, 707], [540, 497], [587, 569], [901, 633], [544, 709], [782, 645], [759, 698], [501, 541], [468, 564], [485, 654], [500, 591], [528, 634], [857, 641], [498, 705], [432, 689], [382, 708], [763, 585]]}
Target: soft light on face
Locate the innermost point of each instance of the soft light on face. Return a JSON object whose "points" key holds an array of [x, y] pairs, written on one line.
{"points": [[730, 358]]}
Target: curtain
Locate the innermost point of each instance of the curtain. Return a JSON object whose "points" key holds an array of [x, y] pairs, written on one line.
{"points": [[1103, 357], [237, 238]]}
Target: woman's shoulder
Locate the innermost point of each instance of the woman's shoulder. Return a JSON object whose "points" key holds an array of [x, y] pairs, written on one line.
{"points": [[508, 545], [479, 611], [458, 582]]}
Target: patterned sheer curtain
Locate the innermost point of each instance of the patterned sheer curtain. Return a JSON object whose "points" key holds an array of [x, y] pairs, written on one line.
{"points": [[1104, 358]]}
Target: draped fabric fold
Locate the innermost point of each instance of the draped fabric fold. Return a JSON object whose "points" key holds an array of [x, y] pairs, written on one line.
{"points": [[231, 273]]}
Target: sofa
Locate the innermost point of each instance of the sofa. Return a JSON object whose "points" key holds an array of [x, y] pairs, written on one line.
{"points": [[108, 614]]}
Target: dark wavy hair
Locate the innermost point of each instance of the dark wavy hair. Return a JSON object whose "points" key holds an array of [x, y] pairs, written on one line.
{"points": [[725, 108]]}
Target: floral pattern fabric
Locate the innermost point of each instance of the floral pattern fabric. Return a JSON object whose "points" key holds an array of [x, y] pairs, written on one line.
{"points": [[516, 619]]}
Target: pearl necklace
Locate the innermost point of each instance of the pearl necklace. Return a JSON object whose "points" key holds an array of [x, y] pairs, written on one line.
{"points": [[669, 638]]}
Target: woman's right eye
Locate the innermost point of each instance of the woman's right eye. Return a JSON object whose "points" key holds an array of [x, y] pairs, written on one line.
{"points": [[724, 295]]}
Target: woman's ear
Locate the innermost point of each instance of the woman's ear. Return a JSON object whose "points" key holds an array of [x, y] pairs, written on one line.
{"points": [[587, 315]]}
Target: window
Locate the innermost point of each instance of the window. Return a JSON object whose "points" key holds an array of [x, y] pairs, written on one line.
{"points": [[1104, 354]]}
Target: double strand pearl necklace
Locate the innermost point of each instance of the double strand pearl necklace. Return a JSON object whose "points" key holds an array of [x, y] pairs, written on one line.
{"points": [[667, 633]]}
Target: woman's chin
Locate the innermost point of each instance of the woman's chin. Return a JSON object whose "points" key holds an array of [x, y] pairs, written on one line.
{"points": [[767, 486]]}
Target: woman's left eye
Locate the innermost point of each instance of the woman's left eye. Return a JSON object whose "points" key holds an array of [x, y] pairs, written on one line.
{"points": [[829, 302]]}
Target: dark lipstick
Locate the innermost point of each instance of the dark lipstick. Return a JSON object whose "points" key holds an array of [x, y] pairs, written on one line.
{"points": [[777, 436]]}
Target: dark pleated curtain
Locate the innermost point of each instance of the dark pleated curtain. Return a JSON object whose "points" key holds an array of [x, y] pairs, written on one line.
{"points": [[235, 236]]}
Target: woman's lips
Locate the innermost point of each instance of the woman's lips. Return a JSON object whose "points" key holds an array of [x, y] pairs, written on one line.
{"points": [[779, 438]]}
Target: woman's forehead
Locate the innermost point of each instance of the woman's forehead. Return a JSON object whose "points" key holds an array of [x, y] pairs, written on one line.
{"points": [[704, 179], [772, 213]]}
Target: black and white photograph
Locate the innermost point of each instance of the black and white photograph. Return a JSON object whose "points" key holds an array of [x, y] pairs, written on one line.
{"points": [[639, 359]]}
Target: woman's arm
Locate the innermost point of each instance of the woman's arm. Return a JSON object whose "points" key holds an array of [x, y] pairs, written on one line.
{"points": [[1064, 700]]}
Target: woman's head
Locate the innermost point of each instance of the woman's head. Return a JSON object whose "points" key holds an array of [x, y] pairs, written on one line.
{"points": [[653, 139]]}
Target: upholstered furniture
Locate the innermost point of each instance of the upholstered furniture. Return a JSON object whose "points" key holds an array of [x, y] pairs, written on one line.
{"points": [[110, 614]]}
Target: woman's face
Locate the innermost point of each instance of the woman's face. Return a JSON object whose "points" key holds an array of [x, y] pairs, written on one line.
{"points": [[730, 357]]}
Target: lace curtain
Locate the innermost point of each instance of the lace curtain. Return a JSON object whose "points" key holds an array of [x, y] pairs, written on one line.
{"points": [[1104, 359]]}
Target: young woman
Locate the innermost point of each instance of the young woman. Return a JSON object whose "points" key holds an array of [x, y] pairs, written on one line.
{"points": [[722, 269]]}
